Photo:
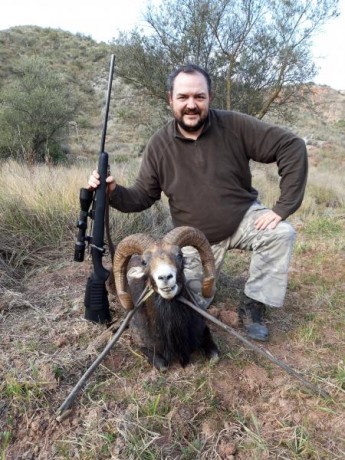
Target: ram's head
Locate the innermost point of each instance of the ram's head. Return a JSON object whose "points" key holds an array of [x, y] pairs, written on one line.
{"points": [[161, 263]]}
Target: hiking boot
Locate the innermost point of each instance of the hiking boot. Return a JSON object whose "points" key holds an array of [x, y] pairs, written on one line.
{"points": [[251, 314]]}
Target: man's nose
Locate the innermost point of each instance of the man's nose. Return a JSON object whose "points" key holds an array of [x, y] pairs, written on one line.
{"points": [[191, 103]]}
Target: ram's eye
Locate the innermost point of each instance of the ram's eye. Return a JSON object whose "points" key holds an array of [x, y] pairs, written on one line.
{"points": [[143, 262], [179, 257]]}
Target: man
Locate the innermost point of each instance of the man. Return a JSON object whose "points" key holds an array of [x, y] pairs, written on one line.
{"points": [[200, 160]]}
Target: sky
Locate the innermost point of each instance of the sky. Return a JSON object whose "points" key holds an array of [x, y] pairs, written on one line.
{"points": [[102, 19]]}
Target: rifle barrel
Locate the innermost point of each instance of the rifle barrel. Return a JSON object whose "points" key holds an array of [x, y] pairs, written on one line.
{"points": [[110, 81]]}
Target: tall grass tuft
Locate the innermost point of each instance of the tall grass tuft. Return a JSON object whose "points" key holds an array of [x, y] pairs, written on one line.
{"points": [[39, 207], [325, 191]]}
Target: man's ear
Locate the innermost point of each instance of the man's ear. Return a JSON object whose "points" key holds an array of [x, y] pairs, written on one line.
{"points": [[169, 95]]}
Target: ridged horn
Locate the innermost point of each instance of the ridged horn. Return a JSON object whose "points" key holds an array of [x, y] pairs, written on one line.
{"points": [[190, 236], [133, 244]]}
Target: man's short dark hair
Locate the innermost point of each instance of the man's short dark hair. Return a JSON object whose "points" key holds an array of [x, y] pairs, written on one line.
{"points": [[188, 68]]}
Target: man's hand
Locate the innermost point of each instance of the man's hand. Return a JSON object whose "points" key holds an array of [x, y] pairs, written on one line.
{"points": [[267, 220], [94, 182]]}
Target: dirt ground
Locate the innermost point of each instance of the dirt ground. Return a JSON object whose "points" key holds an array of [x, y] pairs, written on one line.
{"points": [[244, 407]]}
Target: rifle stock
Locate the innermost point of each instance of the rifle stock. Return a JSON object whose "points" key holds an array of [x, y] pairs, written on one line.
{"points": [[96, 296]]}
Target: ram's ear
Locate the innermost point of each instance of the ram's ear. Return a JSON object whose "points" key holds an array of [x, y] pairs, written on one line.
{"points": [[189, 236], [135, 272]]}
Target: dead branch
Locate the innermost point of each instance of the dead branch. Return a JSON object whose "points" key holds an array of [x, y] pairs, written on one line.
{"points": [[261, 351]]}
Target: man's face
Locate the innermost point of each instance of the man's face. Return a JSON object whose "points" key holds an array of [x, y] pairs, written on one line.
{"points": [[190, 101]]}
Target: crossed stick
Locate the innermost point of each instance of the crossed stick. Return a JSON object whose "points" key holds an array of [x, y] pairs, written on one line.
{"points": [[63, 411]]}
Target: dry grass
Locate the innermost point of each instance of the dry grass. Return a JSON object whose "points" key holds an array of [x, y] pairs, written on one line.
{"points": [[243, 408], [39, 211]]}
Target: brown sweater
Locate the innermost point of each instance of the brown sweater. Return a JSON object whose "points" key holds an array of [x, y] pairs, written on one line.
{"points": [[208, 181]]}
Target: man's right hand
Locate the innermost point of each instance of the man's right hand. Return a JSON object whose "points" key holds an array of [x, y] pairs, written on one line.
{"points": [[94, 182]]}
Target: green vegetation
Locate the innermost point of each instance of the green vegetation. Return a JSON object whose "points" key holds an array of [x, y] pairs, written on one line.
{"points": [[257, 52], [47, 88], [51, 81], [36, 109]]}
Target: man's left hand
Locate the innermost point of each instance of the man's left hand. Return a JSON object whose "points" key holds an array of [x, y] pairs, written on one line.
{"points": [[267, 220]]}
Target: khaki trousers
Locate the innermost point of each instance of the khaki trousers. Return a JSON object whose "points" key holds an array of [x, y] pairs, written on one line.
{"points": [[268, 271]]}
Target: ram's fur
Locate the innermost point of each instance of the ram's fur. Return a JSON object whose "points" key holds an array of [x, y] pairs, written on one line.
{"points": [[164, 328]]}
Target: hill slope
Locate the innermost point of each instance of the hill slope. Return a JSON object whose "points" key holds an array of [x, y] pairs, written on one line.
{"points": [[133, 118]]}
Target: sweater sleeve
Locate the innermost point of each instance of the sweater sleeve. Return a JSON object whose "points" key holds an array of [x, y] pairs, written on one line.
{"points": [[145, 191], [273, 144], [293, 169]]}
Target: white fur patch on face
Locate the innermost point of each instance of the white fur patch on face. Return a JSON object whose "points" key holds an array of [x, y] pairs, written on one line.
{"points": [[164, 276]]}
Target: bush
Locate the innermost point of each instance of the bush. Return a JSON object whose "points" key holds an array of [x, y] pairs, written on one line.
{"points": [[35, 110]]}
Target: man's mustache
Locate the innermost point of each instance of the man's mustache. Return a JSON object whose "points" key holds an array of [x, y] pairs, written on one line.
{"points": [[191, 112]]}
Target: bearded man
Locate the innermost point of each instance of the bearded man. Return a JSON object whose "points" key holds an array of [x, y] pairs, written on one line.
{"points": [[200, 160]]}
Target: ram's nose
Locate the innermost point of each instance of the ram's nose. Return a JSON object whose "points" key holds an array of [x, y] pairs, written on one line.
{"points": [[166, 278]]}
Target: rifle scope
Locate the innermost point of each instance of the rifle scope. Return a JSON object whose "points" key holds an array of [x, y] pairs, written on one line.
{"points": [[85, 198]]}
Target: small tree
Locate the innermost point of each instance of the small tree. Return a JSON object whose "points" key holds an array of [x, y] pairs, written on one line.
{"points": [[258, 52], [34, 112]]}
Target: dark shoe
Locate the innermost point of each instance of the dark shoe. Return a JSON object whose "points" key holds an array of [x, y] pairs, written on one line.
{"points": [[251, 314]]}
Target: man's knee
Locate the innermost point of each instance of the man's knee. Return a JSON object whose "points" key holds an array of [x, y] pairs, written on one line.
{"points": [[286, 232]]}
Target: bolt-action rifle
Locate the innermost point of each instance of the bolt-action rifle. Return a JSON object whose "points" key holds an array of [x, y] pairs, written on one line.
{"points": [[96, 295]]}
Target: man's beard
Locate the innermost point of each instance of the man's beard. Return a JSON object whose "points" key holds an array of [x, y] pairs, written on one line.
{"points": [[191, 128]]}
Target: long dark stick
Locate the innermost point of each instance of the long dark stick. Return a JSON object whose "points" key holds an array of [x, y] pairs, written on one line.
{"points": [[73, 394], [69, 400], [259, 350]]}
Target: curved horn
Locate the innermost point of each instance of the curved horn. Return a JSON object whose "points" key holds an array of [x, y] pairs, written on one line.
{"points": [[133, 244], [190, 236]]}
